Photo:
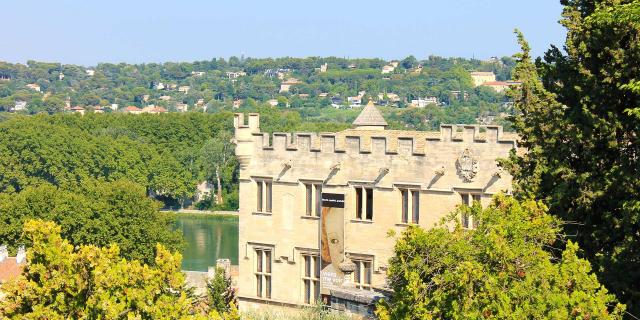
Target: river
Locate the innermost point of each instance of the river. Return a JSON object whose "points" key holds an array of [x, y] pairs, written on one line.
{"points": [[209, 237]]}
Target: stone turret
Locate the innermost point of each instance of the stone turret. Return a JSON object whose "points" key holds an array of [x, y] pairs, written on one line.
{"points": [[370, 118], [244, 137]]}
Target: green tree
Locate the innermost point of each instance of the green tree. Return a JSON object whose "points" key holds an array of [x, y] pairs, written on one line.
{"points": [[97, 213], [88, 282], [580, 122], [216, 155], [221, 296], [501, 270]]}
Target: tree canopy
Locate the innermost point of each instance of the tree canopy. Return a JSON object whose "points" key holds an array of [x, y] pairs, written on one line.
{"points": [[579, 119], [97, 213], [63, 281], [503, 269]]}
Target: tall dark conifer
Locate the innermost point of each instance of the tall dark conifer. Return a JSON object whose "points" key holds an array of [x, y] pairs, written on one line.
{"points": [[580, 120]]}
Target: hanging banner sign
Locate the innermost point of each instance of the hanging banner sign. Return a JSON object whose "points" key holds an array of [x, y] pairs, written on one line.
{"points": [[332, 240]]}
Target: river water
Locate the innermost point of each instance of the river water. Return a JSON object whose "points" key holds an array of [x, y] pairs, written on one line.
{"points": [[209, 237]]}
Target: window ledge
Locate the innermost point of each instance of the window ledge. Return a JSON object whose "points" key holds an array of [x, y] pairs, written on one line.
{"points": [[310, 217], [361, 221], [259, 213], [406, 224]]}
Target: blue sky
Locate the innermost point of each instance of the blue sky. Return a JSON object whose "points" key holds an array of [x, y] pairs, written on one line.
{"points": [[86, 32]]}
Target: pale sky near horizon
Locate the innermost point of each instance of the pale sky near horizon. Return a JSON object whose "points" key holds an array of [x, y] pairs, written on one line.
{"points": [[136, 31]]}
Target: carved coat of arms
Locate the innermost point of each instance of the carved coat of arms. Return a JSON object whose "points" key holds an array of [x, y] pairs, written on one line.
{"points": [[467, 166]]}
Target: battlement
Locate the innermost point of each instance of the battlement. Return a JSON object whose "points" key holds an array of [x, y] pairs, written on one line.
{"points": [[249, 140], [375, 141]]}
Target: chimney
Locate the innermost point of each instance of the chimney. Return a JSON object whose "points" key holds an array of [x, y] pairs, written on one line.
{"points": [[4, 253], [21, 256]]}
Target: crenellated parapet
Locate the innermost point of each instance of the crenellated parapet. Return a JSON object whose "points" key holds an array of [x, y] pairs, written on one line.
{"points": [[352, 141]]}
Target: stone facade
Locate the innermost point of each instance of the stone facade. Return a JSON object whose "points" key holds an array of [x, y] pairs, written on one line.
{"points": [[279, 226]]}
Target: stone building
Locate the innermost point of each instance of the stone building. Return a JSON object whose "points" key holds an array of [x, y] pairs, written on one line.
{"points": [[309, 201]]}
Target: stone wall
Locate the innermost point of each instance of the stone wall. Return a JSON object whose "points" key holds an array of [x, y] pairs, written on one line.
{"points": [[440, 165]]}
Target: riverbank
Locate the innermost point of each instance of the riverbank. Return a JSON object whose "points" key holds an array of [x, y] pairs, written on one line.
{"points": [[203, 212]]}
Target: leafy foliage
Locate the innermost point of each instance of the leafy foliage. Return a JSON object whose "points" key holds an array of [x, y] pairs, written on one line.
{"points": [[220, 294], [97, 213], [213, 89], [87, 282], [500, 270], [579, 122]]}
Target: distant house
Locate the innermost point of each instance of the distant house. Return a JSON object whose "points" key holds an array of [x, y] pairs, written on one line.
{"points": [[336, 101], [235, 75], [171, 86], [355, 101], [19, 106], [423, 102], [33, 86], [286, 85], [323, 68], [182, 107], [391, 97], [132, 110], [500, 86], [90, 72], [417, 70], [322, 95], [165, 98], [460, 95], [114, 106], [272, 102], [11, 267], [145, 97], [184, 89], [388, 69], [98, 109], [197, 73], [351, 66], [78, 109], [200, 102], [153, 110], [303, 95], [480, 77], [237, 103], [394, 63], [159, 86]]}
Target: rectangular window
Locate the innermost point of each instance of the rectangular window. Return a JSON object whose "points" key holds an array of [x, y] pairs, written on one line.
{"points": [[313, 199], [263, 273], [410, 205], [469, 199], [263, 196], [405, 206], [359, 203], [259, 196], [364, 203], [311, 278], [363, 273], [369, 204], [268, 196], [415, 208], [318, 201], [309, 198]]}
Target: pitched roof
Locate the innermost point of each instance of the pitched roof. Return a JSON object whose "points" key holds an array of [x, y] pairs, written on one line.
{"points": [[370, 116], [9, 269]]}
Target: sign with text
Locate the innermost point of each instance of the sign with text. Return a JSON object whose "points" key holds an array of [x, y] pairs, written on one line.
{"points": [[332, 240]]}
